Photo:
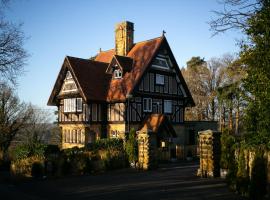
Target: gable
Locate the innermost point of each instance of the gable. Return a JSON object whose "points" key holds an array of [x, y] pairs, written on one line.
{"points": [[93, 83], [69, 85], [89, 77], [163, 76]]}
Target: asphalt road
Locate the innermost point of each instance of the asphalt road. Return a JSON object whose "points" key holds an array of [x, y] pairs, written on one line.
{"points": [[176, 181]]}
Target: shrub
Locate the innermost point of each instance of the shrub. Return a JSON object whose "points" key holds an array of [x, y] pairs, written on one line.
{"points": [[258, 182], [227, 150], [116, 160], [20, 152], [37, 170], [131, 146], [23, 167], [242, 177], [106, 143]]}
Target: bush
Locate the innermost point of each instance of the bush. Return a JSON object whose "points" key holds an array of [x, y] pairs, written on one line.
{"points": [[116, 160], [227, 150], [23, 167], [37, 170], [258, 182], [242, 177], [20, 152], [132, 146], [106, 143]]}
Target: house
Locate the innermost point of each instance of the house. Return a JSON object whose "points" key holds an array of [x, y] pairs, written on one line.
{"points": [[120, 89]]}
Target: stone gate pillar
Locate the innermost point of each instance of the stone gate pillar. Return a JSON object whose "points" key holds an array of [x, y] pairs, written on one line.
{"points": [[147, 149], [210, 150]]}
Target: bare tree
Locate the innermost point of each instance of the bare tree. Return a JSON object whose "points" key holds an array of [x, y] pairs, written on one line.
{"points": [[12, 53], [235, 15], [38, 127], [13, 116]]}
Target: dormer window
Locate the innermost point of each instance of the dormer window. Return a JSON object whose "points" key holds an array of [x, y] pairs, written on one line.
{"points": [[117, 73]]}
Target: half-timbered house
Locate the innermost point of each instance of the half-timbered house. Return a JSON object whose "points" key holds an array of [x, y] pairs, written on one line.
{"points": [[118, 89]]}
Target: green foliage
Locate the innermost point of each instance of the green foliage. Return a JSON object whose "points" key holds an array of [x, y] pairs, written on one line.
{"points": [[258, 181], [256, 57], [106, 143], [20, 152], [25, 150], [227, 150], [116, 160], [242, 177], [131, 146]]}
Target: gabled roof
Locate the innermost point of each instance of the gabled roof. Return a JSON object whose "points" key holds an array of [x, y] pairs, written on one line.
{"points": [[142, 54], [125, 63], [156, 122], [88, 75], [97, 85]]}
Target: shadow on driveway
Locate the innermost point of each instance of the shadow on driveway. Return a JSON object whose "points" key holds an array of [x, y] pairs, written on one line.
{"points": [[177, 181]]}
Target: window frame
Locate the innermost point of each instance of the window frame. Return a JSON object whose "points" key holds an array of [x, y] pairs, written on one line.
{"points": [[160, 79], [166, 110], [162, 66], [71, 105], [118, 74], [147, 105]]}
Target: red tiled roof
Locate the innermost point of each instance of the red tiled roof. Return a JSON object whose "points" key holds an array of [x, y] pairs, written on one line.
{"points": [[155, 122], [142, 54], [105, 56], [95, 84]]}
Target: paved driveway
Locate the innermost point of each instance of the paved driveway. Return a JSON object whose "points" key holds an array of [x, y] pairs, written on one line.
{"points": [[176, 181]]}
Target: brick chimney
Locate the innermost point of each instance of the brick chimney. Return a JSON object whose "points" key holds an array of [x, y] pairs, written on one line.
{"points": [[124, 37]]}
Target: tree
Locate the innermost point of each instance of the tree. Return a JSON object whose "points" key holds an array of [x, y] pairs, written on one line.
{"points": [[131, 147], [235, 15], [13, 116], [38, 126], [195, 75], [203, 79], [256, 56], [12, 53]]}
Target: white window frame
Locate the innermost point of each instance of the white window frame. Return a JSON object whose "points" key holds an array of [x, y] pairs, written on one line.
{"points": [[167, 106], [162, 66], [73, 105], [147, 104], [79, 104], [70, 105], [117, 73], [159, 79]]}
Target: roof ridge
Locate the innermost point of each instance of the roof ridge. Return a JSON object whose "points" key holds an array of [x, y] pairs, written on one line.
{"points": [[135, 43], [149, 39], [86, 59]]}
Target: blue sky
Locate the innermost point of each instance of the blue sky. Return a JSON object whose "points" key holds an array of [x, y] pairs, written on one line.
{"points": [[80, 27]]}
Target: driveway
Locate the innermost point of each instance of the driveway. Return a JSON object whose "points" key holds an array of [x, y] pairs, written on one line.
{"points": [[177, 181]]}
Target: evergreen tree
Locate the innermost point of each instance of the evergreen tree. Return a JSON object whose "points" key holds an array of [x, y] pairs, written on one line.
{"points": [[256, 56]]}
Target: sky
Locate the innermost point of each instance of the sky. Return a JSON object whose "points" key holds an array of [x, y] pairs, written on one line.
{"points": [[79, 28]]}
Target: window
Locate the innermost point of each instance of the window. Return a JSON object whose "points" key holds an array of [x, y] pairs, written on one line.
{"points": [[117, 73], [79, 136], [159, 79], [68, 75], [70, 105], [79, 104], [73, 105], [167, 106], [161, 63], [147, 105]]}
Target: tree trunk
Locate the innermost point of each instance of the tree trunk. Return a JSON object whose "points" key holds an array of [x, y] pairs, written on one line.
{"points": [[237, 119], [230, 119]]}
